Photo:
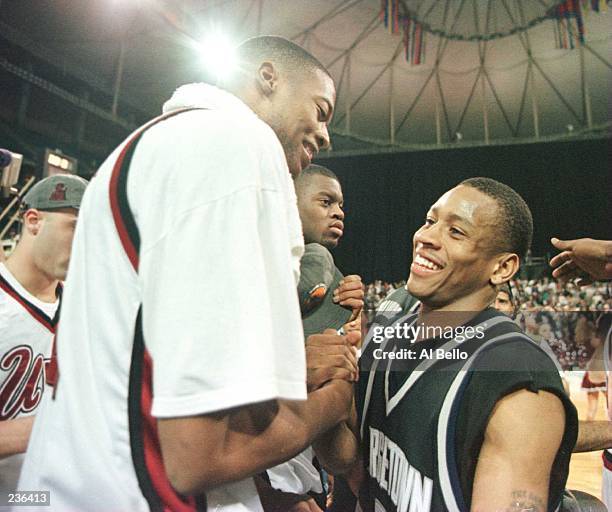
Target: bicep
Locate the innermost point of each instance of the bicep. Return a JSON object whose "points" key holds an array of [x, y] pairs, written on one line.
{"points": [[200, 452], [521, 441]]}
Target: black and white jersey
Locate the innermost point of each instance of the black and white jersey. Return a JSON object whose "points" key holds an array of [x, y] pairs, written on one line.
{"points": [[423, 420]]}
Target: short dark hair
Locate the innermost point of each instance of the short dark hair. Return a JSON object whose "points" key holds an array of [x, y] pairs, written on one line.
{"points": [[314, 169], [514, 222], [281, 50]]}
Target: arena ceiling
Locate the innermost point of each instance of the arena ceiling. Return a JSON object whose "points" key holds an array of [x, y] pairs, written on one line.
{"points": [[485, 71]]}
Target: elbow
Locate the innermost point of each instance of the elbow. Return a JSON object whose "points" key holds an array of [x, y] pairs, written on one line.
{"points": [[183, 484], [340, 465], [188, 480]]}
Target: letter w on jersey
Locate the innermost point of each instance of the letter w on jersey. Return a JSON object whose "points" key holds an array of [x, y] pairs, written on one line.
{"points": [[22, 390], [408, 489]]}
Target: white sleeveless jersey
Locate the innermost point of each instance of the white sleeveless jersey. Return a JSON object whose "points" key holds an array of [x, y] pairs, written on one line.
{"points": [[27, 326]]}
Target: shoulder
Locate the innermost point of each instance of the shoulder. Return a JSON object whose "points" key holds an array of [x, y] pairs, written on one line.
{"points": [[400, 302], [514, 351], [204, 156], [216, 130]]}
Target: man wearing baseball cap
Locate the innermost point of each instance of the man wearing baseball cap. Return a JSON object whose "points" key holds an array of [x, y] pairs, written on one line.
{"points": [[30, 290]]}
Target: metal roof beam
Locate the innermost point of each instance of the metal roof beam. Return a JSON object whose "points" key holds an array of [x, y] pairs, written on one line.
{"points": [[65, 95], [50, 57]]}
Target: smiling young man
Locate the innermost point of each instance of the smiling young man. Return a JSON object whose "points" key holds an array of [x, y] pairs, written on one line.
{"points": [[467, 422], [181, 355]]}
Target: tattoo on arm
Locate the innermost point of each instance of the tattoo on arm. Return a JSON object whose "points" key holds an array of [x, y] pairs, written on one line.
{"points": [[524, 501]]}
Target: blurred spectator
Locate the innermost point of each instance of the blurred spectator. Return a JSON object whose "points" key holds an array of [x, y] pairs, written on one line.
{"points": [[563, 314]]}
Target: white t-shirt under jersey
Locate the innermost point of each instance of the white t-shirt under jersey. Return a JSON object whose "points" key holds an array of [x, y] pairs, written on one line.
{"points": [[26, 336], [220, 243]]}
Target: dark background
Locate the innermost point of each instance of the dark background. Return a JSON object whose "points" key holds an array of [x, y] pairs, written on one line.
{"points": [[566, 184]]}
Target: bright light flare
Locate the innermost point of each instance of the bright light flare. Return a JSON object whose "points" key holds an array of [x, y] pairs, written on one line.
{"points": [[218, 54]]}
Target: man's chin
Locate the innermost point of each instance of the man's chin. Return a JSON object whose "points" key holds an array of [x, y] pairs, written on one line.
{"points": [[330, 243], [418, 292]]}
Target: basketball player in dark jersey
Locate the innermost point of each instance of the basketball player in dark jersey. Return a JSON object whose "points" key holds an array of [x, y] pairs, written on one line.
{"points": [[477, 420]]}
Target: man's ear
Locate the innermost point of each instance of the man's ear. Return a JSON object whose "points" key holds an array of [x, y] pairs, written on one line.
{"points": [[507, 265], [32, 220], [267, 78]]}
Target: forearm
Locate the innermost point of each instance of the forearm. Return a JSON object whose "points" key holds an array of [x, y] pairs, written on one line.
{"points": [[14, 436], [204, 452], [505, 484], [515, 500], [338, 448], [593, 435]]}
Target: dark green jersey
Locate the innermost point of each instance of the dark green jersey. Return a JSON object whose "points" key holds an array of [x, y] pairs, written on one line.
{"points": [[423, 419]]}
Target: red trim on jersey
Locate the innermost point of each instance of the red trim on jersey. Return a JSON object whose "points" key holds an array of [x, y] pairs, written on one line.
{"points": [[146, 450], [129, 246], [36, 313], [607, 459], [124, 236], [152, 450]]}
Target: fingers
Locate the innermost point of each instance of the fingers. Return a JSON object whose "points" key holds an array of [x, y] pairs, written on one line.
{"points": [[560, 258], [562, 245], [345, 296], [353, 337], [351, 277], [320, 376], [329, 337], [355, 319], [348, 289], [339, 355], [330, 356], [567, 270], [353, 304], [344, 361], [352, 325]]}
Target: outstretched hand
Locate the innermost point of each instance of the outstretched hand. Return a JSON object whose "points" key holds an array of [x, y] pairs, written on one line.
{"points": [[584, 258]]}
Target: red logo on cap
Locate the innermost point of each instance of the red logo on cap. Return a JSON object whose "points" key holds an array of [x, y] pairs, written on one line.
{"points": [[59, 194]]}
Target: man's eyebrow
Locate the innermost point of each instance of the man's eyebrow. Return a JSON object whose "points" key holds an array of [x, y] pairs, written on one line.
{"points": [[331, 195], [454, 217]]}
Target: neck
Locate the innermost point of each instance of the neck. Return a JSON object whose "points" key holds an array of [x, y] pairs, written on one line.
{"points": [[21, 265], [457, 312]]}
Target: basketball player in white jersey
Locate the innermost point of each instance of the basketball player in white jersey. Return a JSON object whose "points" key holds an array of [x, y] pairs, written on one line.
{"points": [[30, 288], [181, 352]]}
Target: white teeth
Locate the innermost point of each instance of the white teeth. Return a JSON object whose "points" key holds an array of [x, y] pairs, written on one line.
{"points": [[426, 263]]}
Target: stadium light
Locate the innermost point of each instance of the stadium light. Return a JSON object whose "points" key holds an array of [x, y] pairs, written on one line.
{"points": [[218, 54]]}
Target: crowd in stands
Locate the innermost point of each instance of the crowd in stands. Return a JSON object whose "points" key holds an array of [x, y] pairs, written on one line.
{"points": [[570, 318]]}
